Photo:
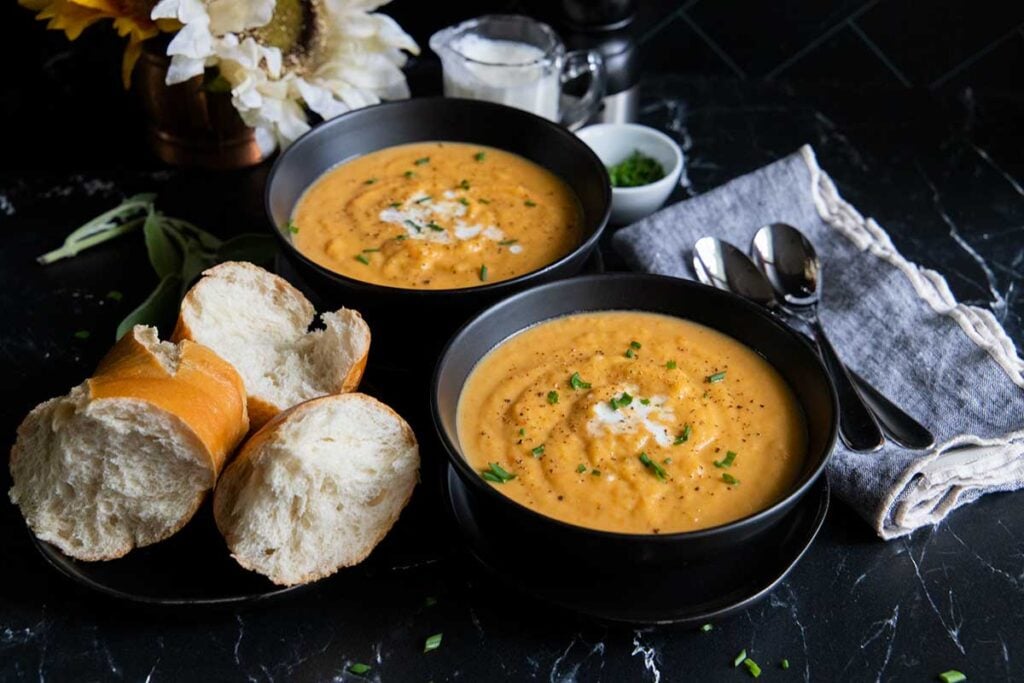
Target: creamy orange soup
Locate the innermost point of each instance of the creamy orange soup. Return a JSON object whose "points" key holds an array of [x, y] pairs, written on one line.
{"points": [[437, 215], [632, 422]]}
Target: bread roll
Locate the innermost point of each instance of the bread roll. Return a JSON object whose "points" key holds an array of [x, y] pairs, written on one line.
{"points": [[317, 488], [259, 323], [125, 458]]}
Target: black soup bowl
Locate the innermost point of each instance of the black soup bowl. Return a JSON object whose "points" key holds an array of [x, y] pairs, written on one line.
{"points": [[555, 546], [431, 315]]}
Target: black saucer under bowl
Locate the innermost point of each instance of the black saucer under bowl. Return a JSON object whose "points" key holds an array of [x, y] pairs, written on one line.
{"points": [[692, 592], [193, 567]]}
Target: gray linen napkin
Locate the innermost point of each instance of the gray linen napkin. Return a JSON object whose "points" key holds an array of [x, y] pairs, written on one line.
{"points": [[897, 324]]}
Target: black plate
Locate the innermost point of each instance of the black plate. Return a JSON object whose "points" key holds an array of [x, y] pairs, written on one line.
{"points": [[193, 567], [693, 593]]}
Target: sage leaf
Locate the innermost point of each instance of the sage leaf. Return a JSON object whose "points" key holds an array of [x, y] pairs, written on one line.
{"points": [[259, 249], [159, 307], [164, 255], [122, 219]]}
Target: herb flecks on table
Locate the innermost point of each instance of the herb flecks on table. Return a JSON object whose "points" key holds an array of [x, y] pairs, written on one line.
{"points": [[359, 669], [635, 170], [432, 643]]}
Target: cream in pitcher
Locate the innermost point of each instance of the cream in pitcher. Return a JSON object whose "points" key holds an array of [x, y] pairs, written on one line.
{"points": [[519, 62]]}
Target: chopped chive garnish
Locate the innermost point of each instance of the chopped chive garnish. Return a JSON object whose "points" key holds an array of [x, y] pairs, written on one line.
{"points": [[530, 202], [671, 365], [581, 468], [369, 181], [432, 643], [654, 467], [292, 228], [115, 295], [596, 473], [408, 174], [620, 402], [395, 205], [727, 461], [538, 451], [423, 199], [729, 479], [464, 184], [752, 667], [497, 474], [952, 676], [415, 226], [784, 664], [667, 461], [645, 401], [484, 201], [429, 601], [684, 436], [371, 250], [739, 658], [399, 238], [480, 156], [552, 397], [522, 431], [630, 353], [362, 259], [634, 345], [483, 273], [435, 227], [503, 243], [706, 628], [420, 162], [715, 378], [576, 382], [463, 201], [82, 334], [358, 668]]}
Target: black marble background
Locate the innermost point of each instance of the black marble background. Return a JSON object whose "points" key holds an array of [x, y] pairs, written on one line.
{"points": [[914, 108]]}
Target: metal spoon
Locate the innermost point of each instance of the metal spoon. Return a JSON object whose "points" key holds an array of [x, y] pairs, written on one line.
{"points": [[789, 262], [723, 266]]}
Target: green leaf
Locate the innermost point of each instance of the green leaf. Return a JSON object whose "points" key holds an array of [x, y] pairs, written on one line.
{"points": [[160, 306], [259, 249], [164, 254]]}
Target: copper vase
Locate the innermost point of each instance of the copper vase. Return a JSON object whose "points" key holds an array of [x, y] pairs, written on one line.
{"points": [[189, 125]]}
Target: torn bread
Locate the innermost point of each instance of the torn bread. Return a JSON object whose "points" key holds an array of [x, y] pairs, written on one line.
{"points": [[125, 458], [260, 323], [317, 488]]}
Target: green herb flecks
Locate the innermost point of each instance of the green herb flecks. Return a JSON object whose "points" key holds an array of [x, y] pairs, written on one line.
{"points": [[292, 228], [408, 174], [729, 479], [635, 345], [82, 334], [596, 473], [483, 273], [421, 161], [480, 156], [483, 201], [530, 203], [952, 676], [432, 643], [369, 181], [577, 383], [645, 401], [630, 353], [522, 431], [497, 474], [727, 461], [463, 184], [429, 601], [538, 451], [359, 669], [552, 397], [635, 170], [371, 250], [504, 243], [752, 668], [706, 628], [414, 225], [683, 436], [656, 469], [463, 201], [435, 227], [620, 402], [423, 199], [715, 378], [671, 365], [362, 259], [395, 205], [739, 658], [581, 468], [784, 664]]}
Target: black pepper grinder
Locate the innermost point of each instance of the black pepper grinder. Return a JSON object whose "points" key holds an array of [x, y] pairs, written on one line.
{"points": [[603, 25]]}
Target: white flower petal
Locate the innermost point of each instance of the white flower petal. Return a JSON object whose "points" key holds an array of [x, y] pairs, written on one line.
{"points": [[184, 68], [234, 16], [193, 40]]}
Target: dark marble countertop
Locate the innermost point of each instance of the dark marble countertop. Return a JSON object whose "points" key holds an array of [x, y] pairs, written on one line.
{"points": [[942, 172]]}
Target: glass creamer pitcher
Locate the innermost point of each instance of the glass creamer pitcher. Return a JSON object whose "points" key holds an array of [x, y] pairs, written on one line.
{"points": [[520, 62]]}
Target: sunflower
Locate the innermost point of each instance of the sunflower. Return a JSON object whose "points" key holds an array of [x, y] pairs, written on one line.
{"points": [[131, 20], [284, 57]]}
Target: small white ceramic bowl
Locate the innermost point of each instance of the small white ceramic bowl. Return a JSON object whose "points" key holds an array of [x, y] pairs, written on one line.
{"points": [[613, 142]]}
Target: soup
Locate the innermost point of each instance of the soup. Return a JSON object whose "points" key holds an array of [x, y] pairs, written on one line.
{"points": [[437, 215], [632, 422]]}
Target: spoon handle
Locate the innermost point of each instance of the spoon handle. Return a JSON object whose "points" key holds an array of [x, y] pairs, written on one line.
{"points": [[857, 424], [900, 427]]}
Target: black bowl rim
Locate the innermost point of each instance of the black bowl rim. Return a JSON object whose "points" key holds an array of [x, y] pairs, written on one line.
{"points": [[473, 479], [582, 248]]}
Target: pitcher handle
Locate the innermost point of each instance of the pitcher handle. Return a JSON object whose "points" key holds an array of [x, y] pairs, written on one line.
{"points": [[576, 112]]}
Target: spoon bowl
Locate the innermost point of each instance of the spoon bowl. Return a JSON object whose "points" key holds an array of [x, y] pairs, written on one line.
{"points": [[790, 263], [723, 266]]}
